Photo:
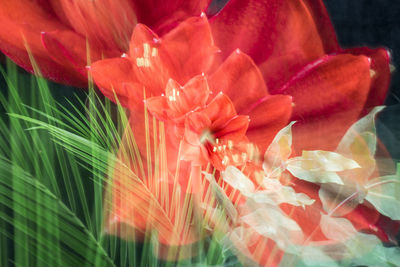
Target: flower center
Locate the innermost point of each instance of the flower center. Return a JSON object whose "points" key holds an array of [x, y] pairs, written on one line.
{"points": [[207, 136]]}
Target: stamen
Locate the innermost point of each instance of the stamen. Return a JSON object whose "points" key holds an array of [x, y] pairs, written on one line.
{"points": [[154, 52], [206, 136], [146, 50]]}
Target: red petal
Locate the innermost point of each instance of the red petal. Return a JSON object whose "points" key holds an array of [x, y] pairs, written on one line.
{"points": [[380, 60], [195, 154], [21, 24], [151, 66], [240, 79], [73, 55], [141, 35], [164, 15], [191, 48], [158, 107], [364, 217], [234, 130], [195, 124], [106, 24], [220, 110], [111, 75], [324, 25], [280, 35], [196, 92], [192, 96], [329, 95], [267, 117]]}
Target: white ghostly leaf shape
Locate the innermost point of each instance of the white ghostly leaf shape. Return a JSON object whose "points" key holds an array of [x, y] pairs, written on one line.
{"points": [[333, 253], [366, 124], [235, 178], [274, 194], [284, 194], [384, 194], [319, 160], [271, 222], [338, 229], [358, 144], [278, 152], [340, 200], [320, 166]]}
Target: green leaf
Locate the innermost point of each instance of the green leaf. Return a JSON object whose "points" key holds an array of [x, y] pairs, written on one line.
{"points": [[40, 214], [381, 256]]}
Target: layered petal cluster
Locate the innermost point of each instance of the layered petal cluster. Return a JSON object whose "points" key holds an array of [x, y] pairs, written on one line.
{"points": [[295, 46], [275, 219], [174, 80], [156, 68], [212, 130], [210, 113], [64, 36], [200, 93], [292, 42]]}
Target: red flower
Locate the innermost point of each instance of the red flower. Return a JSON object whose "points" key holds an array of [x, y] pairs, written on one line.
{"points": [[183, 53], [212, 131], [194, 122], [292, 42], [294, 45], [178, 101], [58, 33]]}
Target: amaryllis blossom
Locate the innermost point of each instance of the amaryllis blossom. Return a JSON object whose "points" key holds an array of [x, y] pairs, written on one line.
{"points": [[294, 45], [292, 42], [64, 36], [175, 76], [211, 131], [179, 100], [185, 52]]}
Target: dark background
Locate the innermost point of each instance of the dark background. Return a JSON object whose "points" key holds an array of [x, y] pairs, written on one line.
{"points": [[374, 23]]}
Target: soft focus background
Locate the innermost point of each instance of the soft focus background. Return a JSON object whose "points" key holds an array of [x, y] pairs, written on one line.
{"points": [[374, 23]]}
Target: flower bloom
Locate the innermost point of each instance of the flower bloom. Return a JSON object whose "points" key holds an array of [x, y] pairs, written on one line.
{"points": [[289, 67], [292, 43], [212, 130], [207, 131], [179, 78], [182, 54], [295, 47], [205, 119], [59, 33]]}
